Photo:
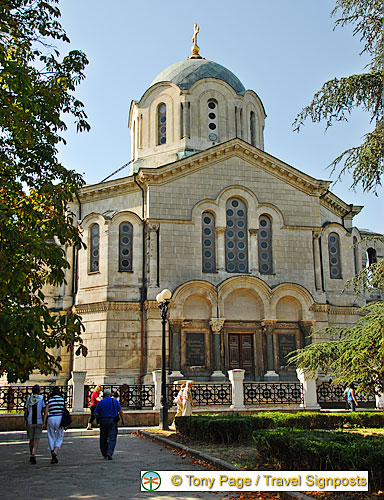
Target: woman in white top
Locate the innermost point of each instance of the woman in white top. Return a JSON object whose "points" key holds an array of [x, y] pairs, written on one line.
{"points": [[52, 420], [187, 399]]}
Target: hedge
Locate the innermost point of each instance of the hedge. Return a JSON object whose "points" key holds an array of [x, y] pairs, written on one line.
{"points": [[238, 428], [321, 450]]}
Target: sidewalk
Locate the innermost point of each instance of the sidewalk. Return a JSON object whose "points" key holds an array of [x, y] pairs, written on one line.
{"points": [[82, 473]]}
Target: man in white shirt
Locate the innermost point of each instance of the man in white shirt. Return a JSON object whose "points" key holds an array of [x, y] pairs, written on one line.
{"points": [[33, 416]]}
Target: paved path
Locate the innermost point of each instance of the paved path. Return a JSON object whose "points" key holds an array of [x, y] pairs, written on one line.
{"points": [[82, 473]]}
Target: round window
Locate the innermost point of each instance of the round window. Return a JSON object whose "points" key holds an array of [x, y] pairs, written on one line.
{"points": [[230, 212], [265, 267], [125, 240], [264, 244], [125, 263], [332, 239], [212, 116], [230, 244], [333, 250], [95, 252], [230, 223], [125, 228], [125, 251], [240, 213], [241, 245], [240, 223], [264, 256], [241, 255], [231, 266], [163, 129], [231, 255], [207, 243], [207, 230], [242, 267], [207, 220], [211, 105], [207, 265], [212, 126], [162, 140], [162, 108], [230, 234], [263, 222], [208, 254], [235, 203], [241, 234], [95, 241]]}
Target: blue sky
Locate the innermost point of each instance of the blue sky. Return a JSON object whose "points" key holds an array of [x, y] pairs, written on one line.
{"points": [[284, 51]]}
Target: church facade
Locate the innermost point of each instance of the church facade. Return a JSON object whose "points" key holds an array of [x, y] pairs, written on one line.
{"points": [[255, 252]]}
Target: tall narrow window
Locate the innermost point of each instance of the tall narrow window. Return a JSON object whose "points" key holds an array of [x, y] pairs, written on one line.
{"points": [[208, 246], [236, 239], [181, 120], [355, 255], [264, 243], [334, 256], [212, 120], [94, 246], [372, 257], [125, 246], [161, 124], [252, 128]]}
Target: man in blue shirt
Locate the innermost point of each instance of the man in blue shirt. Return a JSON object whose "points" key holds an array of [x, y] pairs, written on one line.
{"points": [[108, 411]]}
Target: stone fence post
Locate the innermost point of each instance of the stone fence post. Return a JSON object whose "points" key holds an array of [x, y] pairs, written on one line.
{"points": [[157, 381], [309, 391], [237, 378], [78, 380], [380, 401]]}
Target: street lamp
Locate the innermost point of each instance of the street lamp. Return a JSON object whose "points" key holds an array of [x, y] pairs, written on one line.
{"points": [[163, 301]]}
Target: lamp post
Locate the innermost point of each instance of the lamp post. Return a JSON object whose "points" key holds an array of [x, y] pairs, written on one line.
{"points": [[163, 301]]}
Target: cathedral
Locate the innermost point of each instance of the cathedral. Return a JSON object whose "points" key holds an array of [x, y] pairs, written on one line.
{"points": [[255, 252]]}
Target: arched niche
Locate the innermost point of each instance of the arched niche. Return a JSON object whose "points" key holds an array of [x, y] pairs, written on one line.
{"points": [[196, 307], [288, 309], [242, 304]]}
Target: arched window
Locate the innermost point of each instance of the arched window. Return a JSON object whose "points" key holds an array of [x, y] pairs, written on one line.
{"points": [[94, 236], [264, 243], [212, 120], [334, 256], [371, 256], [252, 134], [208, 246], [161, 124], [125, 246], [236, 239]]}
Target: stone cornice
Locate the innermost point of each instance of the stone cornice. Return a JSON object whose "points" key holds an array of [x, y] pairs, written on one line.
{"points": [[239, 148], [337, 310], [338, 206], [107, 306]]}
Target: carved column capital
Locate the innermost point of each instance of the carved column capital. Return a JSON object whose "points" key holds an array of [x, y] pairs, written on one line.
{"points": [[153, 226], [316, 234], [216, 324], [268, 325], [220, 230], [253, 231]]}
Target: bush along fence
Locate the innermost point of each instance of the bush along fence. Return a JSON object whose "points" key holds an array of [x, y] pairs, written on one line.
{"points": [[236, 394]]}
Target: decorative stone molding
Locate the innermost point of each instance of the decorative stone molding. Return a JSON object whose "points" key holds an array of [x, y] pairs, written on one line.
{"points": [[216, 324], [153, 226], [268, 325], [337, 310], [107, 306]]}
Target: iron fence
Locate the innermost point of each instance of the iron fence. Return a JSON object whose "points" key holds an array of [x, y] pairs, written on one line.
{"points": [[214, 394], [332, 396], [14, 397], [134, 397], [272, 393]]}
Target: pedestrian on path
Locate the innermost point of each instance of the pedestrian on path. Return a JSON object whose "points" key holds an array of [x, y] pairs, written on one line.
{"points": [[52, 420], [187, 399], [95, 398], [351, 399], [33, 416], [108, 410]]}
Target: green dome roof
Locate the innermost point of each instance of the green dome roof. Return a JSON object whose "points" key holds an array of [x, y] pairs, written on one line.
{"points": [[185, 73]]}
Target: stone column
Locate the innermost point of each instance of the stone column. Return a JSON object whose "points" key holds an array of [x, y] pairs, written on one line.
{"points": [[317, 260], [268, 326], [157, 381], [237, 378], [153, 262], [220, 251], [175, 355], [78, 380], [216, 327], [309, 391], [306, 328], [253, 252]]}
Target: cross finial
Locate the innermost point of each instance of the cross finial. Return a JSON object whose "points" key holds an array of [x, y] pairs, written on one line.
{"points": [[195, 48]]}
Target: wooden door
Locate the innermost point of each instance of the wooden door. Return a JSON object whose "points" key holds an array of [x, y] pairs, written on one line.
{"points": [[240, 353]]}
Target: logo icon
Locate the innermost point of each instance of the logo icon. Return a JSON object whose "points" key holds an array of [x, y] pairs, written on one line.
{"points": [[150, 480]]}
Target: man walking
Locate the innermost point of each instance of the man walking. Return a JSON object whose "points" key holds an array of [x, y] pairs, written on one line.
{"points": [[108, 411], [33, 416]]}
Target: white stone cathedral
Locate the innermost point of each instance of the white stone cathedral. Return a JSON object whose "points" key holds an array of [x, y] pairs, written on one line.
{"points": [[255, 252]]}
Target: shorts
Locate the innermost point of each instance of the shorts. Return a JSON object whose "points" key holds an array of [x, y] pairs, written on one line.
{"points": [[34, 431]]}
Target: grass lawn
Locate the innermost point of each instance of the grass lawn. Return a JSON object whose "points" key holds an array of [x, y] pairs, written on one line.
{"points": [[245, 456]]}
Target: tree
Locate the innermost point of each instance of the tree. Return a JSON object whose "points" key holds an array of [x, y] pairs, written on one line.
{"points": [[339, 97], [355, 353], [35, 225]]}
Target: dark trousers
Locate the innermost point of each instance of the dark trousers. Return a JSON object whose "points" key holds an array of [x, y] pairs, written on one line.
{"points": [[93, 416], [108, 436]]}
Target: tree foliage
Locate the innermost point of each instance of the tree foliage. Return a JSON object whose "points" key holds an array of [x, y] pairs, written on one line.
{"points": [[339, 97], [353, 354], [37, 88]]}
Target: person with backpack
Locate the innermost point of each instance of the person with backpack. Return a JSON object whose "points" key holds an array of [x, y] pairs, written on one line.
{"points": [[33, 416]]}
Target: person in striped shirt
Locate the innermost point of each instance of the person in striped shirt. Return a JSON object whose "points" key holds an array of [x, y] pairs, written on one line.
{"points": [[52, 420]]}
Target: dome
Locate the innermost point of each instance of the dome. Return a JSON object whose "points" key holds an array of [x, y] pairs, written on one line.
{"points": [[185, 73]]}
